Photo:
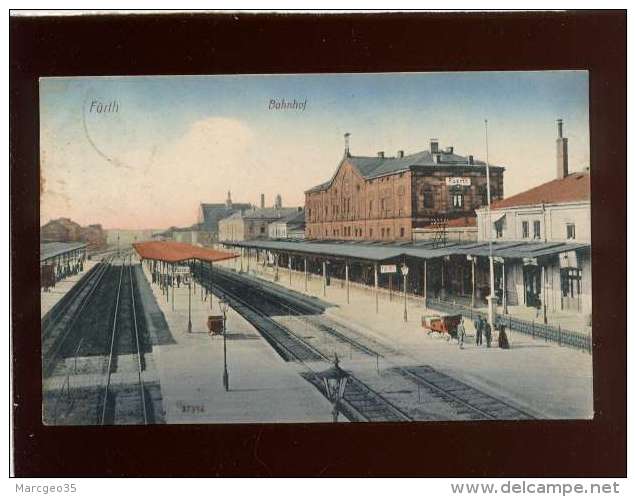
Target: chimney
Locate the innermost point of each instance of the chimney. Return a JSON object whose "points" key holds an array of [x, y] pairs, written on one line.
{"points": [[346, 151], [562, 151], [400, 154], [434, 145], [262, 200], [279, 201], [381, 155]]}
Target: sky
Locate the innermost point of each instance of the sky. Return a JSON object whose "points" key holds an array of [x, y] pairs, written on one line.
{"points": [[176, 141]]}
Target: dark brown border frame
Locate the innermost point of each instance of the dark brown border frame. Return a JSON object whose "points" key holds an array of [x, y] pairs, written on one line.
{"points": [[376, 42]]}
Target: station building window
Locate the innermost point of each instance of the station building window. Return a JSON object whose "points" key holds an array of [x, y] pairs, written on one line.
{"points": [[401, 232], [525, 229], [427, 201], [570, 230], [570, 282], [458, 201], [536, 230]]}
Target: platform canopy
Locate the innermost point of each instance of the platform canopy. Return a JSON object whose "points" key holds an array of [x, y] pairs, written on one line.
{"points": [[50, 250], [425, 249], [179, 252]]}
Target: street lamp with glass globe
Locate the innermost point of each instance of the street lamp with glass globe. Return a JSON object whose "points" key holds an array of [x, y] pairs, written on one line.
{"points": [[335, 381], [405, 271], [223, 305]]}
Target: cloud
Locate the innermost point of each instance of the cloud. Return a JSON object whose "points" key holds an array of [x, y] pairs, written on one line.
{"points": [[162, 186]]}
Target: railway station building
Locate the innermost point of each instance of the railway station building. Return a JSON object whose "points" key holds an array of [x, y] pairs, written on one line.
{"points": [[385, 198], [539, 241]]}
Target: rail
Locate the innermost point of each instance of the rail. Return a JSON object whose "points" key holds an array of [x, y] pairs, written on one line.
{"points": [[140, 360], [50, 355], [490, 407], [112, 349], [370, 396], [113, 342]]}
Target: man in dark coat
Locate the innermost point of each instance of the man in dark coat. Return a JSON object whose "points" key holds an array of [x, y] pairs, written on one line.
{"points": [[487, 333], [478, 330]]}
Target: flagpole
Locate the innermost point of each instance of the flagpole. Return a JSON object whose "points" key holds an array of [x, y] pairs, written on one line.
{"points": [[491, 306]]}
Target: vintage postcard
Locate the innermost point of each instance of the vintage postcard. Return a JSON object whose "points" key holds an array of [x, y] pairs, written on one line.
{"points": [[316, 248]]}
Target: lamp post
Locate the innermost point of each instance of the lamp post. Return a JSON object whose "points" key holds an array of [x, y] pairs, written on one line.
{"points": [[335, 381], [189, 282], [405, 271], [223, 305], [490, 298]]}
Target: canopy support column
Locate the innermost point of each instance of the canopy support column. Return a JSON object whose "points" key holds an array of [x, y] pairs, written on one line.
{"points": [[375, 282], [425, 292], [305, 267], [347, 278], [504, 298], [472, 298], [289, 266], [324, 278]]}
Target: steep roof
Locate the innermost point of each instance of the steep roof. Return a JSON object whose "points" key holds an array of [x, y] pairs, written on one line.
{"points": [[294, 219], [372, 167], [574, 187], [269, 212], [213, 213]]}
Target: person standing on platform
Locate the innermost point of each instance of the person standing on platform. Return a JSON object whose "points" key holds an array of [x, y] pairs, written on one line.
{"points": [[461, 333], [503, 338], [488, 333], [479, 326]]}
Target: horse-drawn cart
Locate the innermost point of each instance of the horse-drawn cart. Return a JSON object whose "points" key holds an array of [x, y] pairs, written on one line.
{"points": [[442, 324]]}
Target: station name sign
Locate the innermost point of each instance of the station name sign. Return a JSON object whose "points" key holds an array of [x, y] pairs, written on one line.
{"points": [[388, 268], [457, 181]]}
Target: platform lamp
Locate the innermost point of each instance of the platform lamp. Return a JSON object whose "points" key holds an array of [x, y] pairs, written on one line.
{"points": [[405, 271], [335, 381], [188, 279], [223, 305]]}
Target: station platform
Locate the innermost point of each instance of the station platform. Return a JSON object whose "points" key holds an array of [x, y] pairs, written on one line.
{"points": [[53, 296], [546, 380], [263, 387]]}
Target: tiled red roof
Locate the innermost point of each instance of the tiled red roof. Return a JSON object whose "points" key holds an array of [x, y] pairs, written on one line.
{"points": [[177, 252], [462, 222], [573, 188]]}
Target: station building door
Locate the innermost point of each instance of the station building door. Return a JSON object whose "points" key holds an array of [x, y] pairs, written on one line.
{"points": [[570, 289], [532, 285]]}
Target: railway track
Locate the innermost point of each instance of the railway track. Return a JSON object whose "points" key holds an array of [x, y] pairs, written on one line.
{"points": [[125, 404], [58, 324], [361, 402], [94, 371], [465, 400]]}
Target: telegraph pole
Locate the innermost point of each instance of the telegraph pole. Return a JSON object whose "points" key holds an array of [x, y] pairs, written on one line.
{"points": [[491, 305]]}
